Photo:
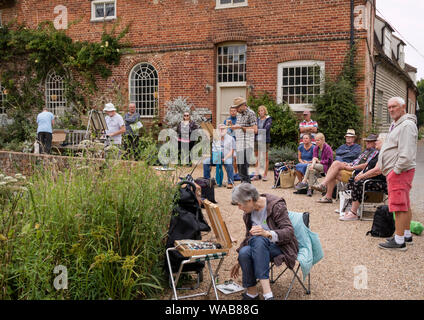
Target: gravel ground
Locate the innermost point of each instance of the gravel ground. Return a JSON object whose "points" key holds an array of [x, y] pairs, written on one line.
{"points": [[348, 253]]}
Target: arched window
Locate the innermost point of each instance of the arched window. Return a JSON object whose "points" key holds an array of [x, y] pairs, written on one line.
{"points": [[2, 99], [144, 85], [55, 94]]}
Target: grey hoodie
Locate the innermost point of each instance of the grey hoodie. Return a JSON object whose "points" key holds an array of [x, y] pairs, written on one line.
{"points": [[399, 150]]}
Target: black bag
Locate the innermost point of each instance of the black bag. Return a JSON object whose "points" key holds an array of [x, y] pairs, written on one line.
{"points": [[383, 224], [208, 188], [187, 222]]}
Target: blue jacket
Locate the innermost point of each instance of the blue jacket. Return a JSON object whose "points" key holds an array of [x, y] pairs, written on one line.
{"points": [[267, 127], [348, 154]]}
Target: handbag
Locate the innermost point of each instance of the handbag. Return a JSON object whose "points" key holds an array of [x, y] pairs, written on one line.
{"points": [[345, 201], [287, 178], [216, 157]]}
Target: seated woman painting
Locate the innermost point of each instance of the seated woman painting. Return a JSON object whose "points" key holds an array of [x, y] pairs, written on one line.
{"points": [[269, 236], [305, 155], [371, 171]]}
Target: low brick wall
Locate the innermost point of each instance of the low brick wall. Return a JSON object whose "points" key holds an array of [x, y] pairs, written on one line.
{"points": [[27, 163]]}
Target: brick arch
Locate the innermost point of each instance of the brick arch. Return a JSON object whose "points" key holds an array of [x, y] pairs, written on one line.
{"points": [[229, 36], [301, 55], [154, 61]]}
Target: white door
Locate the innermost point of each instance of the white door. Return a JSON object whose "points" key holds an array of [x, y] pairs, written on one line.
{"points": [[225, 100]]}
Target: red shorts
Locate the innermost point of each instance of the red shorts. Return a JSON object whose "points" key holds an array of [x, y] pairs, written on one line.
{"points": [[398, 186]]}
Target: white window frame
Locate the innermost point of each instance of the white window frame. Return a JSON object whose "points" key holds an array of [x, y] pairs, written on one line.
{"points": [[232, 83], [387, 45], [298, 63], [93, 10], [57, 107], [230, 5], [130, 90]]}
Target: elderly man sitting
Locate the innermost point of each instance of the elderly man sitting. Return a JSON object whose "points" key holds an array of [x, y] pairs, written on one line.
{"points": [[223, 148], [342, 171], [269, 236]]}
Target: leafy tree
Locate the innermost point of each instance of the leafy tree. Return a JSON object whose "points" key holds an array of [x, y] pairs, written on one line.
{"points": [[284, 129], [336, 110], [420, 99]]}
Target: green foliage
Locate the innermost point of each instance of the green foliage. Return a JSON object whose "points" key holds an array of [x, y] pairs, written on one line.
{"points": [[420, 99], [281, 154], [336, 110], [28, 55], [106, 224], [284, 129]]}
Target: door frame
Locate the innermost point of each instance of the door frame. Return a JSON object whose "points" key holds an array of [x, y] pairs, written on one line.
{"points": [[219, 87]]}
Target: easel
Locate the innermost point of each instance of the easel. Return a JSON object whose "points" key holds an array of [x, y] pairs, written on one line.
{"points": [[223, 238], [97, 124]]}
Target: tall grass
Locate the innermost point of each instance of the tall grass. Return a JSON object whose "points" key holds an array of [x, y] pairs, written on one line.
{"points": [[107, 225]]}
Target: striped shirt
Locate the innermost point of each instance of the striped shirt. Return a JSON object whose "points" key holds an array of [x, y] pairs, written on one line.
{"points": [[308, 124], [246, 119]]}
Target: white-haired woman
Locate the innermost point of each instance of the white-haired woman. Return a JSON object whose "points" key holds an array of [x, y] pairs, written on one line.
{"points": [[378, 184], [269, 236]]}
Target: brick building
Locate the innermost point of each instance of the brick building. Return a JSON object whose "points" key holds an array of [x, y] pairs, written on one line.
{"points": [[211, 51]]}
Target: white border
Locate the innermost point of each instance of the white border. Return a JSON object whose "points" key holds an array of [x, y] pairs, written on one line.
{"points": [[129, 89], [93, 12], [298, 63], [230, 5]]}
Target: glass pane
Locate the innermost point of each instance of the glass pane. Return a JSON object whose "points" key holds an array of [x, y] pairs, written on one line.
{"points": [[298, 71], [291, 71], [285, 72], [304, 80], [285, 81], [239, 1], [110, 10], [100, 10], [291, 81], [298, 80], [225, 1]]}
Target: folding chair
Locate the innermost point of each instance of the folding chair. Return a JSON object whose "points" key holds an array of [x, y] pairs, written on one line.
{"points": [[373, 198], [295, 271]]}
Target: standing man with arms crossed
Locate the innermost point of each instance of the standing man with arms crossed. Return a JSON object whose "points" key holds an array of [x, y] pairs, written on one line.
{"points": [[245, 131], [397, 161]]}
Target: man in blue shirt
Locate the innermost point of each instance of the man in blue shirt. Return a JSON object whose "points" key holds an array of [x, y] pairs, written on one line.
{"points": [[45, 122], [349, 151]]}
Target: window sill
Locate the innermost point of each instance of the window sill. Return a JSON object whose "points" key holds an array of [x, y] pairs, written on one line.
{"points": [[230, 6], [103, 19]]}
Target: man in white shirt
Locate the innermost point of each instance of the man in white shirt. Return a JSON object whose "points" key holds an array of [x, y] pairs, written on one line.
{"points": [[115, 124]]}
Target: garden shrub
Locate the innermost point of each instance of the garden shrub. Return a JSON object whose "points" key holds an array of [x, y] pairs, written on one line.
{"points": [[336, 110], [284, 129], [281, 154], [106, 224]]}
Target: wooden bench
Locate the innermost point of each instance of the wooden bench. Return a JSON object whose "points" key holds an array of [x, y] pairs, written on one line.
{"points": [[66, 139]]}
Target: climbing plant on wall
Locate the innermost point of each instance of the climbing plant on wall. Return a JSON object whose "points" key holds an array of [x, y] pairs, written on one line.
{"points": [[27, 56]]}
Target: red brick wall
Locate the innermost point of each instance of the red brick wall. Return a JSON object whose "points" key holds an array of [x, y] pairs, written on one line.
{"points": [[179, 38]]}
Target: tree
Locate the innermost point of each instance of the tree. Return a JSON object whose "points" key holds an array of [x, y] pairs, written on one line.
{"points": [[420, 99]]}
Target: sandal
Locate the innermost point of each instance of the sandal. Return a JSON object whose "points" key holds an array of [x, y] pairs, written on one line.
{"points": [[325, 200], [350, 216]]}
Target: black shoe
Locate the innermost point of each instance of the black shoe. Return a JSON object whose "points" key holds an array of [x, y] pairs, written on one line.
{"points": [[310, 192], [392, 245], [408, 240], [244, 296]]}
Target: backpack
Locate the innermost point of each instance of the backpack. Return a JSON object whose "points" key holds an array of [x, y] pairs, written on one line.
{"points": [[383, 224], [208, 188]]}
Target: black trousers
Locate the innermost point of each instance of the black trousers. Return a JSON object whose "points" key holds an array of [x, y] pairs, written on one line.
{"points": [[45, 140], [243, 157]]}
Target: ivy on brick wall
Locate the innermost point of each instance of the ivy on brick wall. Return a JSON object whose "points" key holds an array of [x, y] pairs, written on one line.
{"points": [[26, 58], [336, 109]]}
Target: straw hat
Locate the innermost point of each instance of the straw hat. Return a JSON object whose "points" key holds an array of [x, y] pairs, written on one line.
{"points": [[109, 107], [239, 101], [350, 133]]}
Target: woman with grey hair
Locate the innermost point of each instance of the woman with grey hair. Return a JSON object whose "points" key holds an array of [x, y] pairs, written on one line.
{"points": [[269, 235]]}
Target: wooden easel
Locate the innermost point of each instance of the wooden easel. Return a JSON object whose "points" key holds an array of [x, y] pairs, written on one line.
{"points": [[222, 237]]}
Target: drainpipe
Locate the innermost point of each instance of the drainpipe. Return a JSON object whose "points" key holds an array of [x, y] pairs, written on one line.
{"points": [[373, 91], [352, 29]]}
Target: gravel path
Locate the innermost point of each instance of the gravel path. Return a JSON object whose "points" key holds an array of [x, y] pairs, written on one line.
{"points": [[348, 253]]}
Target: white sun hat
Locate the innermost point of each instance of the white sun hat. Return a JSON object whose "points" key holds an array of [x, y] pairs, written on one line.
{"points": [[109, 107]]}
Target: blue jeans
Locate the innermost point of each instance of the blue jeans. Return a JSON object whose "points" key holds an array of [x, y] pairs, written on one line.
{"points": [[228, 167], [254, 259]]}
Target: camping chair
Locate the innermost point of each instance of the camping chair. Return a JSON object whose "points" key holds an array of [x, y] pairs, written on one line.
{"points": [[373, 198], [310, 252]]}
